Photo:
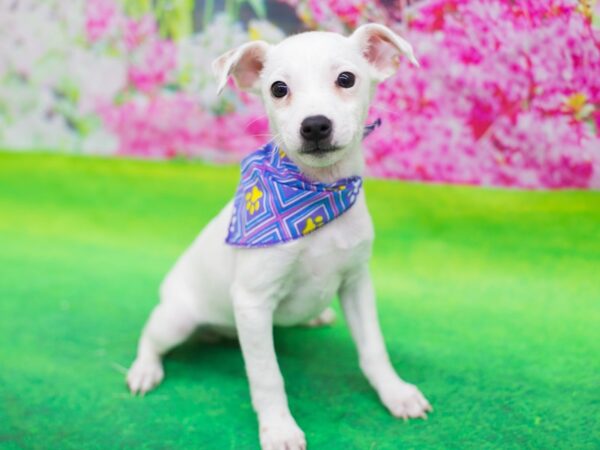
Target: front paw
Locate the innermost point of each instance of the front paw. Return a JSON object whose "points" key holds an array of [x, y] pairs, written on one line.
{"points": [[280, 432], [144, 375], [404, 400]]}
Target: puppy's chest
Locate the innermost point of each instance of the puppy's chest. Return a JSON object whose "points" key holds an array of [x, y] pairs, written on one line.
{"points": [[325, 260]]}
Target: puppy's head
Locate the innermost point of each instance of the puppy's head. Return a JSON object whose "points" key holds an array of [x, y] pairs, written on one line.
{"points": [[316, 86]]}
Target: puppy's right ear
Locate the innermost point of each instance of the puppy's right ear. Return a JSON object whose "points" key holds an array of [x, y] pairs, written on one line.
{"points": [[381, 47], [243, 63]]}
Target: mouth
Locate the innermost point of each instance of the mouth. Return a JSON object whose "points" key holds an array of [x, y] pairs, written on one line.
{"points": [[317, 149]]}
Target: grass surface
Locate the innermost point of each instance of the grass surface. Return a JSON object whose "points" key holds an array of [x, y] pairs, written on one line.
{"points": [[489, 301]]}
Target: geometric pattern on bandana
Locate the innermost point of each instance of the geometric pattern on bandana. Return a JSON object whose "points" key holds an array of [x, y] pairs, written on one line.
{"points": [[274, 203]]}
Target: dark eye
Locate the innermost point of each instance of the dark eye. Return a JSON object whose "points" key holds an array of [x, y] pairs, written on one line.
{"points": [[279, 89], [345, 80]]}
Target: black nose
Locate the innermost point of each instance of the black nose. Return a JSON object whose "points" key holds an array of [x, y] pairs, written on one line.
{"points": [[315, 128]]}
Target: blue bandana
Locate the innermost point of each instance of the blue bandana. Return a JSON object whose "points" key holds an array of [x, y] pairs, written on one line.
{"points": [[274, 203]]}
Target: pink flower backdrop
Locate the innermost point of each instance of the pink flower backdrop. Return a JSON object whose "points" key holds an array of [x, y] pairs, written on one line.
{"points": [[508, 93]]}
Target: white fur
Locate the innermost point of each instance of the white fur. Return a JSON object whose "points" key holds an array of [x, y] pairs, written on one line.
{"points": [[247, 291]]}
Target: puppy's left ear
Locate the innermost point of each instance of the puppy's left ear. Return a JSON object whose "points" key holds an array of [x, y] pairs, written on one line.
{"points": [[243, 63], [381, 47]]}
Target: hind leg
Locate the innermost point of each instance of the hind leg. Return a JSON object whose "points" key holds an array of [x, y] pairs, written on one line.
{"points": [[326, 317], [169, 325]]}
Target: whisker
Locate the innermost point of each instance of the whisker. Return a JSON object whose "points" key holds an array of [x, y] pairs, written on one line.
{"points": [[256, 119], [260, 134], [278, 140], [119, 368], [389, 111]]}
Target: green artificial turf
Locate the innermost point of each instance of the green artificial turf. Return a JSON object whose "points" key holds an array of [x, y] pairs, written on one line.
{"points": [[489, 301]]}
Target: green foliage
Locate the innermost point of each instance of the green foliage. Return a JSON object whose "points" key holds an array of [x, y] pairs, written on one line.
{"points": [[176, 17], [137, 8]]}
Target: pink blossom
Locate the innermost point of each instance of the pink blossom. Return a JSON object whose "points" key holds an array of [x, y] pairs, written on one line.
{"points": [[152, 65], [169, 125], [499, 98], [349, 11], [101, 16], [138, 31]]}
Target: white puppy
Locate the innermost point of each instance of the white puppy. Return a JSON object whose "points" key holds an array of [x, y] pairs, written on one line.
{"points": [[316, 88]]}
